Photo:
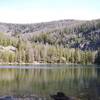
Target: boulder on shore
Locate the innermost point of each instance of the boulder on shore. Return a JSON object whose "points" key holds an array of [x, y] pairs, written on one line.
{"points": [[61, 96]]}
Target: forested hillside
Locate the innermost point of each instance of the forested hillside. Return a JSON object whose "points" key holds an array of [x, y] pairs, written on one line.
{"points": [[64, 41]]}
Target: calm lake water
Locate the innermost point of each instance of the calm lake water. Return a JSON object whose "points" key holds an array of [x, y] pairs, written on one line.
{"points": [[43, 80]]}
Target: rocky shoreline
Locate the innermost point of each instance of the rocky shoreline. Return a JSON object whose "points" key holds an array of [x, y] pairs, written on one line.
{"points": [[58, 96], [22, 98]]}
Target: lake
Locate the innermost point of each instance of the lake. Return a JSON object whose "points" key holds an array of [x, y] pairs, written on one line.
{"points": [[43, 80]]}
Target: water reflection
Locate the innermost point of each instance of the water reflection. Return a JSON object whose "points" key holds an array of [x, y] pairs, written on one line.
{"points": [[80, 81]]}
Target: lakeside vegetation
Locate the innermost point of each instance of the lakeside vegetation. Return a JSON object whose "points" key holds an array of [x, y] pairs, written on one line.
{"points": [[45, 53]]}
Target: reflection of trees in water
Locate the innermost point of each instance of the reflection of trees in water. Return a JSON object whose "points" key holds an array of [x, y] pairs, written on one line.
{"points": [[98, 82], [46, 81], [92, 90]]}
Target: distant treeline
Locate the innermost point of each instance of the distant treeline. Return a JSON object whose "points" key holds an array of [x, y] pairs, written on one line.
{"points": [[66, 42]]}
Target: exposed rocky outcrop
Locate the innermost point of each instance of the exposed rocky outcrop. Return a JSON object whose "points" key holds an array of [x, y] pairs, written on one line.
{"points": [[7, 48]]}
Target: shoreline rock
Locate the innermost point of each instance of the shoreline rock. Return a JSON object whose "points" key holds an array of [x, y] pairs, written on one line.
{"points": [[62, 96]]}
